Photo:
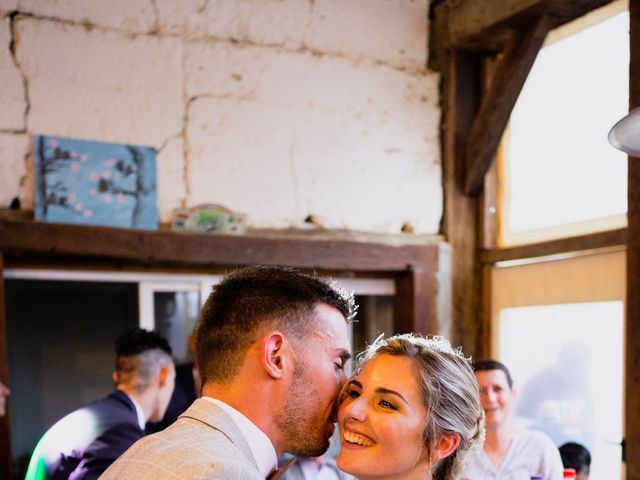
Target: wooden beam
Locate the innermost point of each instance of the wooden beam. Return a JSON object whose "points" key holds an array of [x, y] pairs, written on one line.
{"points": [[461, 93], [472, 24], [632, 324], [498, 102], [482, 25], [52, 241], [593, 241], [414, 308]]}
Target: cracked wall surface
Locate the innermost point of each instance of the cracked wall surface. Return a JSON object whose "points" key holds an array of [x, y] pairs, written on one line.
{"points": [[275, 108]]}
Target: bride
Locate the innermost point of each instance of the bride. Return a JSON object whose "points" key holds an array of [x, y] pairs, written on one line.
{"points": [[412, 411]]}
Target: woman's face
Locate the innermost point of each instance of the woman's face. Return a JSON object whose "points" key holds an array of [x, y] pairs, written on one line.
{"points": [[496, 397], [381, 419]]}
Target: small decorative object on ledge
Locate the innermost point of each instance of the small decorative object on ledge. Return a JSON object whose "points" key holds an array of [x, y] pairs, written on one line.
{"points": [[96, 183], [209, 218]]}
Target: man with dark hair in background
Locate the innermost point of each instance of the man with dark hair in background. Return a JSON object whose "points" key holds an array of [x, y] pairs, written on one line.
{"points": [[85, 442], [577, 456], [271, 348]]}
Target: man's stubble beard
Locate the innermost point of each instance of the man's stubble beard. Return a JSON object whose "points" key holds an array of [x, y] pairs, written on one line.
{"points": [[301, 420]]}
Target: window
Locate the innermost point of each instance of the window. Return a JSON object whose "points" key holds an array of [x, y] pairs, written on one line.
{"points": [[558, 325], [559, 175]]}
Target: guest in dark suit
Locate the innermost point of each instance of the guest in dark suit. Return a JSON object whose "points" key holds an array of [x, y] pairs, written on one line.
{"points": [[85, 442]]}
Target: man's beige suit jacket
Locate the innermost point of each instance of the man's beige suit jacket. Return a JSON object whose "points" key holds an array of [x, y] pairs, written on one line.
{"points": [[203, 443]]}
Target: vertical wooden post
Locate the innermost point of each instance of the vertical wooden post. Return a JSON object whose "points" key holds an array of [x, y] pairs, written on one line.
{"points": [[5, 437], [632, 328], [414, 304], [461, 95]]}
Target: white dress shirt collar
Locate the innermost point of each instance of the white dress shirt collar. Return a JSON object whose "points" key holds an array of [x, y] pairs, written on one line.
{"points": [[261, 447], [142, 421]]}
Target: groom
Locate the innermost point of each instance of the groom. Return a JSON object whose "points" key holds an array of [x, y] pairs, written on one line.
{"points": [[272, 348]]}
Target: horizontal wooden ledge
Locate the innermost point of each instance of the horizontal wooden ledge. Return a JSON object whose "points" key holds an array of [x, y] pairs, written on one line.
{"points": [[19, 238], [594, 241]]}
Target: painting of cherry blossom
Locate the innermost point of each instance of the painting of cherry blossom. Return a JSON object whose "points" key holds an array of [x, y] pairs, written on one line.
{"points": [[96, 183]]}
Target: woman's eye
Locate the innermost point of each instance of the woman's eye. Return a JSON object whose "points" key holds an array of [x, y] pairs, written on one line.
{"points": [[386, 404], [353, 393]]}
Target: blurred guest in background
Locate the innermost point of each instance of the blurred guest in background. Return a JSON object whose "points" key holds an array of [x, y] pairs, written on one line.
{"points": [[576, 456], [314, 468], [84, 443], [187, 389], [508, 452]]}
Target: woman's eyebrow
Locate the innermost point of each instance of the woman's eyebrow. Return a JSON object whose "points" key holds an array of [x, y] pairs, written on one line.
{"points": [[356, 383], [387, 391]]}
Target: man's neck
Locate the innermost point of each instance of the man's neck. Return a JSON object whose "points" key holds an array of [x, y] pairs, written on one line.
{"points": [[143, 410]]}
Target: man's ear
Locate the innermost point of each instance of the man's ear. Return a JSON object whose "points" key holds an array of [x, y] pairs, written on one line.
{"points": [[115, 377], [446, 445], [273, 357], [163, 374]]}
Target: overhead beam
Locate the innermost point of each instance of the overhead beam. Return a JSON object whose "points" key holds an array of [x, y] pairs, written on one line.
{"points": [[472, 24], [498, 102], [481, 25]]}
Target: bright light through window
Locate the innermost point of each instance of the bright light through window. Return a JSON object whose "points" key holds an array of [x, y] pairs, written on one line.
{"points": [[566, 361], [559, 168]]}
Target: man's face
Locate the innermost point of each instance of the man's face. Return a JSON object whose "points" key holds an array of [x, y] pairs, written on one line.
{"points": [[4, 393], [496, 396], [309, 410], [165, 390]]}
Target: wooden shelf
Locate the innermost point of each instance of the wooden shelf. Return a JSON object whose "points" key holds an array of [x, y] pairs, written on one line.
{"points": [[23, 240]]}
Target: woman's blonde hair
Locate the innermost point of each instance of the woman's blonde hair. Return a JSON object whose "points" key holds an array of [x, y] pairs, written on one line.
{"points": [[449, 391]]}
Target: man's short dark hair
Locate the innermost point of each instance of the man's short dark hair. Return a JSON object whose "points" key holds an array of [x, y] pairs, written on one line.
{"points": [[139, 355], [251, 300], [576, 456], [484, 365], [138, 340]]}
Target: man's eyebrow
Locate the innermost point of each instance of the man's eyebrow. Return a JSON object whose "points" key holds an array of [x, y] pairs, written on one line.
{"points": [[391, 392]]}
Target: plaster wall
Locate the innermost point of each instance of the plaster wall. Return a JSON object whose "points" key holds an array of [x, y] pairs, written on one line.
{"points": [[275, 108]]}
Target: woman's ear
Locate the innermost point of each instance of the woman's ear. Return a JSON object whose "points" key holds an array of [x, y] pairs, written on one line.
{"points": [[273, 355], [446, 445]]}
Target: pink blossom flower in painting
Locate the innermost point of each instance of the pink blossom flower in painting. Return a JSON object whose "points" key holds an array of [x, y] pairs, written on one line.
{"points": [[120, 197], [72, 197], [106, 174], [94, 176], [73, 154], [109, 163], [84, 157], [74, 167], [53, 143], [108, 198], [87, 213], [93, 192]]}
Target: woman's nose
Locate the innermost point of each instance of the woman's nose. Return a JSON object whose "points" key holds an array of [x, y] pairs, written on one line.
{"points": [[356, 409]]}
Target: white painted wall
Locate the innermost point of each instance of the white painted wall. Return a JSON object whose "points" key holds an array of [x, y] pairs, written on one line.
{"points": [[275, 108]]}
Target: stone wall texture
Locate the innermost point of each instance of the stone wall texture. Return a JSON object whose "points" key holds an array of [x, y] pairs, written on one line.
{"points": [[276, 108]]}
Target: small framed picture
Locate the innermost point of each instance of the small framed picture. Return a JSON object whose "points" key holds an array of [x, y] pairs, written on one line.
{"points": [[94, 183]]}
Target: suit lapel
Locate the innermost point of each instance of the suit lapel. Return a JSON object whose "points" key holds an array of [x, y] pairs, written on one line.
{"points": [[216, 418]]}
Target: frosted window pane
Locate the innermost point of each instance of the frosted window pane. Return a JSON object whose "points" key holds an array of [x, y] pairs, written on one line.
{"points": [[567, 364], [560, 167]]}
